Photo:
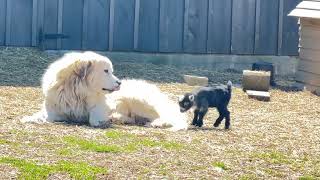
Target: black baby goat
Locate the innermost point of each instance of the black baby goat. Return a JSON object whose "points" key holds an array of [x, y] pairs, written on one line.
{"points": [[205, 97]]}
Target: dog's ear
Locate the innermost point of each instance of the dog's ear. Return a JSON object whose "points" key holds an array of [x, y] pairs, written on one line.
{"points": [[191, 97], [84, 70], [181, 97]]}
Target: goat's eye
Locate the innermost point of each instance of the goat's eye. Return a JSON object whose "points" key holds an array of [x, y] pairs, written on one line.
{"points": [[106, 71]]}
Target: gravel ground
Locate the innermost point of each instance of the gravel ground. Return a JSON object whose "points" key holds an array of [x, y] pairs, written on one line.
{"points": [[279, 139]]}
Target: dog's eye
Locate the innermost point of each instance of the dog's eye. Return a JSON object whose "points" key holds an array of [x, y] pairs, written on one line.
{"points": [[106, 71]]}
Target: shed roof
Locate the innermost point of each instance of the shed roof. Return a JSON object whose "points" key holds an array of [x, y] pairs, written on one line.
{"points": [[307, 9]]}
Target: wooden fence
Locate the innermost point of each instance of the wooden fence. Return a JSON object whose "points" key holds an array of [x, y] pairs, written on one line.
{"points": [[254, 27]]}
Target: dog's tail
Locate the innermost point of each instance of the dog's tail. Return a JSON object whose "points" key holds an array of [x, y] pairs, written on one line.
{"points": [[229, 85]]}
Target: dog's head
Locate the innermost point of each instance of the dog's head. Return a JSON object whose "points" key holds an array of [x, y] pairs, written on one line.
{"points": [[94, 73], [186, 102], [100, 77]]}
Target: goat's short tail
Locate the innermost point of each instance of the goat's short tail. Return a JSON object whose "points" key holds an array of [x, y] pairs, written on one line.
{"points": [[229, 86]]}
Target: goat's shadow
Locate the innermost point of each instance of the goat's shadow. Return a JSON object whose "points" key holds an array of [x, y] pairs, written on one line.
{"points": [[192, 128]]}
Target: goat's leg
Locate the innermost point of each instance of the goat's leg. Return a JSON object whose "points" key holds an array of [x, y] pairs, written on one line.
{"points": [[203, 106], [202, 113], [227, 115], [195, 117], [220, 118]]}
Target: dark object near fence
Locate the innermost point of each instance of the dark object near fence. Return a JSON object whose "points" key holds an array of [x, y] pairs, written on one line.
{"points": [[43, 37], [265, 66]]}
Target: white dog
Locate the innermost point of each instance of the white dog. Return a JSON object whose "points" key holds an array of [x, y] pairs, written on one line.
{"points": [[138, 101], [74, 88]]}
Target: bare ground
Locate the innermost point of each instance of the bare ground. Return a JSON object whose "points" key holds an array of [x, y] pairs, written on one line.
{"points": [[278, 139]]}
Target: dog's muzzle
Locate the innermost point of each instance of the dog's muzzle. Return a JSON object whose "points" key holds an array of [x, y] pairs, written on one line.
{"points": [[117, 88]]}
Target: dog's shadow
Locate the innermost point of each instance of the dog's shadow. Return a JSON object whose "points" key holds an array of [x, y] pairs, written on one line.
{"points": [[117, 126], [87, 126]]}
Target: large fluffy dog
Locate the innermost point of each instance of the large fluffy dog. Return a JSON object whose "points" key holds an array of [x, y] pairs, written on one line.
{"points": [[74, 88], [138, 101]]}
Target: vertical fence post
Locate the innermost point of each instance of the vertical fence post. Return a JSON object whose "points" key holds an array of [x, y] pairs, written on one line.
{"points": [[8, 22], [34, 22], [111, 25], [257, 26], [280, 30], [3, 12], [186, 22], [40, 22], [85, 24], [60, 19], [136, 24], [231, 22]]}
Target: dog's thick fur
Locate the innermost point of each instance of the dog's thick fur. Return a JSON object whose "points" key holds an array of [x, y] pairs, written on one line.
{"points": [[74, 89], [138, 100]]}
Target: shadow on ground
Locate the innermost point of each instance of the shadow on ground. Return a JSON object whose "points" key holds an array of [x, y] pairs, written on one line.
{"points": [[24, 67]]}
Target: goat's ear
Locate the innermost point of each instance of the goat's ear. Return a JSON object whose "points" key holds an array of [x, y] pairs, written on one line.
{"points": [[191, 97], [181, 98]]}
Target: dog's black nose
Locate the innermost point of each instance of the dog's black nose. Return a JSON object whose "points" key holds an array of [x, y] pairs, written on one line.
{"points": [[118, 82]]}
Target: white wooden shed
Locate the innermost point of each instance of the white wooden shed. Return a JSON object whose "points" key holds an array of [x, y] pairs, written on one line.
{"points": [[308, 72]]}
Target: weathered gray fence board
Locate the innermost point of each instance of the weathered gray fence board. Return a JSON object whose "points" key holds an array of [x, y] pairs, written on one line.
{"points": [[171, 26], [21, 23], [266, 38], [8, 22], [72, 24], [123, 28], [97, 35], [195, 37], [111, 24], [50, 22], [192, 26], [34, 22], [40, 18], [243, 26], [148, 36], [219, 26], [136, 24], [60, 22], [3, 6], [85, 14], [290, 37]]}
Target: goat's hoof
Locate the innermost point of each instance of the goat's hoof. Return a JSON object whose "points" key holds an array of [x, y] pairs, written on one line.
{"points": [[215, 125]]}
